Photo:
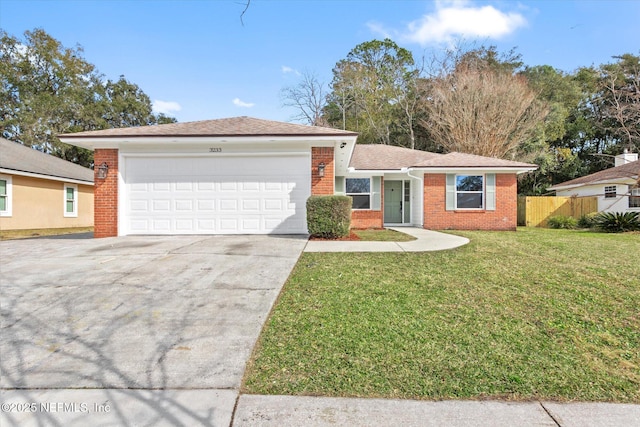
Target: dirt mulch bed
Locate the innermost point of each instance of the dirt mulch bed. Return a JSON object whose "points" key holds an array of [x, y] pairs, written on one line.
{"points": [[351, 237]]}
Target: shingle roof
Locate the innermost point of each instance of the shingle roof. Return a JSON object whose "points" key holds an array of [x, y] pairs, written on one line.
{"points": [[17, 157], [463, 160], [381, 157], [384, 157], [629, 170], [234, 126]]}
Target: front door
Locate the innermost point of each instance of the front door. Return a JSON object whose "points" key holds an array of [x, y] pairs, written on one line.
{"points": [[393, 196]]}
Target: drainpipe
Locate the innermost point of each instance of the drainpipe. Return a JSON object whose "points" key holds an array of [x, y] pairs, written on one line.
{"points": [[408, 171]]}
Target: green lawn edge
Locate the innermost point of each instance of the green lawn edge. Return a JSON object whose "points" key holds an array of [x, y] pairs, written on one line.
{"points": [[536, 314]]}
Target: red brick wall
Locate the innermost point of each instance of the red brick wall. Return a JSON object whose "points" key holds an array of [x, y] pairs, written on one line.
{"points": [[436, 217], [370, 219], [322, 186], [106, 194]]}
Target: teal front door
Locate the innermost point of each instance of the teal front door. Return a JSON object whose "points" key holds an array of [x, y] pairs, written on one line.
{"points": [[393, 196]]}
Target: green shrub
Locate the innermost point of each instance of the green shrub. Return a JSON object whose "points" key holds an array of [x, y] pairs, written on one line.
{"points": [[588, 220], [617, 222], [561, 221], [329, 217]]}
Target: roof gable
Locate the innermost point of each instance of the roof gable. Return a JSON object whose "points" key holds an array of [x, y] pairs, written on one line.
{"points": [[629, 170], [19, 158], [228, 127]]}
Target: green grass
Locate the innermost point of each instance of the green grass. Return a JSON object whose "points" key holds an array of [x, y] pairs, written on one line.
{"points": [[384, 235], [23, 234], [537, 314]]}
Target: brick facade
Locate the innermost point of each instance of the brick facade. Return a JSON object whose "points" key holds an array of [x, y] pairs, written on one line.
{"points": [[322, 186], [436, 217], [106, 194]]}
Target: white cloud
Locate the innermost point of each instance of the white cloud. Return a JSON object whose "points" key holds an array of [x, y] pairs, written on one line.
{"points": [[165, 107], [237, 102], [458, 19], [287, 70]]}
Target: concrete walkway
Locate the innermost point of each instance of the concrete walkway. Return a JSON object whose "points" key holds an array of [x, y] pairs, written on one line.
{"points": [[426, 240], [227, 408]]}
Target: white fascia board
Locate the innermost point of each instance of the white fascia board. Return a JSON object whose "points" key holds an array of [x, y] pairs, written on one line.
{"points": [[42, 176], [516, 170], [372, 172], [444, 170], [614, 181], [118, 142]]}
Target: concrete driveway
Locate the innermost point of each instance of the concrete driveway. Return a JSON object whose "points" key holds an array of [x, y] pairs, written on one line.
{"points": [[149, 312]]}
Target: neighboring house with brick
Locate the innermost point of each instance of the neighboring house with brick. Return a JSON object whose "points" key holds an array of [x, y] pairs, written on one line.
{"points": [[38, 190], [249, 176], [616, 188]]}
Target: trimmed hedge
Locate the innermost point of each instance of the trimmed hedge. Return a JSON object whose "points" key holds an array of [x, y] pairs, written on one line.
{"points": [[329, 217]]}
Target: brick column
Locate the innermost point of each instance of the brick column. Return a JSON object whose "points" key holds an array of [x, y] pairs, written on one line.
{"points": [[322, 186], [105, 194]]}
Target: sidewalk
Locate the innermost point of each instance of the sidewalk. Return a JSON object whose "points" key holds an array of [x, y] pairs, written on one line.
{"points": [[326, 411], [228, 408], [426, 240]]}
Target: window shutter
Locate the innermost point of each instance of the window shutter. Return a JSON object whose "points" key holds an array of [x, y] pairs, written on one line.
{"points": [[450, 202], [490, 189], [339, 185], [375, 193]]}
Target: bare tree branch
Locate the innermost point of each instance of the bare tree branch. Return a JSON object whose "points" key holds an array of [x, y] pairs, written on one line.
{"points": [[246, 7]]}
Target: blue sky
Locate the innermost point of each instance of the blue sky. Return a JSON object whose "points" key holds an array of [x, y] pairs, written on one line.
{"points": [[197, 61]]}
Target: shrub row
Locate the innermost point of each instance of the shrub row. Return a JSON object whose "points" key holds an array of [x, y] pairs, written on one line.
{"points": [[611, 222]]}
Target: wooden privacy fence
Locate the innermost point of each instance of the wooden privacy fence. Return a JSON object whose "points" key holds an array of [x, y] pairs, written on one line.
{"points": [[535, 211]]}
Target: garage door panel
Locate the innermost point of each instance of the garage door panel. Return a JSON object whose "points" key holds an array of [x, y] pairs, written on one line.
{"points": [[216, 195]]}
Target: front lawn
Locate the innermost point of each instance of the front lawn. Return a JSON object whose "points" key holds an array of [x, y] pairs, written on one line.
{"points": [[536, 314]]}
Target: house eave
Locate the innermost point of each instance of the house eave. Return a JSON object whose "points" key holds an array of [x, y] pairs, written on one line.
{"points": [[612, 181], [475, 169], [117, 142], [44, 176]]}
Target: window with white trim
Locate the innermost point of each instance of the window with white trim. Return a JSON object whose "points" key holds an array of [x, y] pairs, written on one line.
{"points": [[70, 200], [610, 191], [360, 191], [634, 198], [469, 192], [5, 195]]}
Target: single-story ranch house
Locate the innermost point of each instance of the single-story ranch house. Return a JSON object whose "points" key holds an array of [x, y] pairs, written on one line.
{"points": [[249, 176], [616, 188], [38, 190]]}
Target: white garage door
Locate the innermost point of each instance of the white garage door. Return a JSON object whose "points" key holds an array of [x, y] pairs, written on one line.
{"points": [[216, 195]]}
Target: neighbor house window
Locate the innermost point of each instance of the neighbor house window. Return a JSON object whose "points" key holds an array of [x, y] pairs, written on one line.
{"points": [[634, 198], [70, 200], [469, 191], [360, 191], [610, 191], [5, 195]]}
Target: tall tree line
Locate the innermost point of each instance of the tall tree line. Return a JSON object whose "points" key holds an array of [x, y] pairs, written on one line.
{"points": [[478, 100], [48, 89]]}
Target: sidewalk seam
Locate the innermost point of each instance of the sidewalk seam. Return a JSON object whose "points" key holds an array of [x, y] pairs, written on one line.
{"points": [[235, 408], [550, 415]]}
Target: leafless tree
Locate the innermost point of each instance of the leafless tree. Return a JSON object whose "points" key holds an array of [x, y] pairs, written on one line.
{"points": [[308, 97], [620, 83], [480, 109]]}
